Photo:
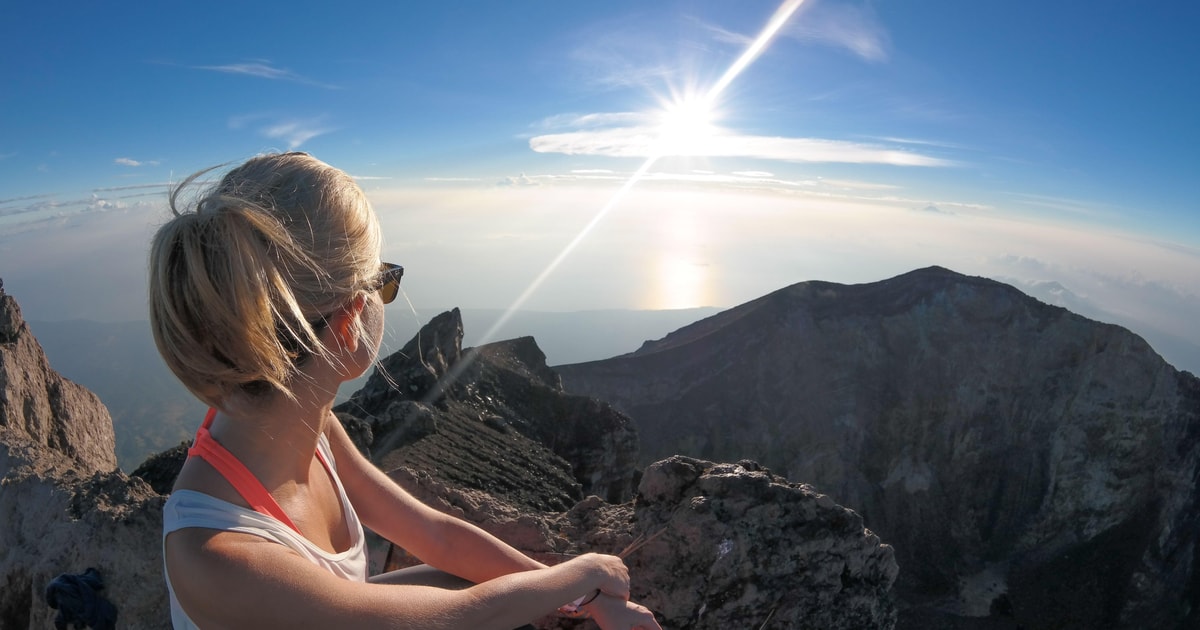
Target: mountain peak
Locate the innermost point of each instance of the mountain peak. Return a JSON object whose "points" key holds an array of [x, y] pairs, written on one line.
{"points": [[964, 419], [819, 299]]}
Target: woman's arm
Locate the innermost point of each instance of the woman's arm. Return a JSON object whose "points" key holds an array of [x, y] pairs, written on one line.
{"points": [[440, 540], [462, 549], [235, 580]]}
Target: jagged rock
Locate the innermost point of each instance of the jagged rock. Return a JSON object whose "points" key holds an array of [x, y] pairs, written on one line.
{"points": [[709, 546], [161, 469], [734, 546], [39, 404], [1023, 460], [59, 519], [63, 504], [492, 418]]}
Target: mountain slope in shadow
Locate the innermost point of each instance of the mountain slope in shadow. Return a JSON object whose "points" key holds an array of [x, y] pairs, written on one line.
{"points": [[1006, 447]]}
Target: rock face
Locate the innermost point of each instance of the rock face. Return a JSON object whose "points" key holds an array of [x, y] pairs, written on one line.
{"points": [[709, 546], [63, 505], [733, 546], [1025, 462], [492, 418], [32, 396]]}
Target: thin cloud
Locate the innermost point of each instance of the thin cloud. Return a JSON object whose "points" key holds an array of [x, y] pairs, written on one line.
{"points": [[855, 29], [129, 187], [857, 184], [587, 121], [294, 131], [1060, 204], [158, 194], [642, 142], [25, 198], [264, 70], [754, 173], [520, 180], [726, 36], [621, 54], [918, 142], [933, 208], [124, 161]]}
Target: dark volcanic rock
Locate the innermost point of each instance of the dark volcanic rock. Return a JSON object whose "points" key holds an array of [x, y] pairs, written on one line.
{"points": [[161, 469], [492, 418], [733, 546], [709, 546], [1007, 448]]}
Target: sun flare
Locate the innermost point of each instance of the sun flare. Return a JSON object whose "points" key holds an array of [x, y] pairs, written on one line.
{"points": [[686, 127]]}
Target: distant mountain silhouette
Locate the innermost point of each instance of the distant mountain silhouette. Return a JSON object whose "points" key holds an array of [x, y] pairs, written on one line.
{"points": [[1024, 460]]}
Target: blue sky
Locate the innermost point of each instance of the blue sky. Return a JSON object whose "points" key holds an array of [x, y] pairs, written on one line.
{"points": [[1028, 141]]}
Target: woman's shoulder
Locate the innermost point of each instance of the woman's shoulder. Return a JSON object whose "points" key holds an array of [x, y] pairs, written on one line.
{"points": [[200, 477]]}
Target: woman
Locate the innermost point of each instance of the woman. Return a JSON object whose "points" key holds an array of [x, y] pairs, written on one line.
{"points": [[264, 298]]}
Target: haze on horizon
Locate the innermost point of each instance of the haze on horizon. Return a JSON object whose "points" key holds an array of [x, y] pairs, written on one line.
{"points": [[1046, 146]]}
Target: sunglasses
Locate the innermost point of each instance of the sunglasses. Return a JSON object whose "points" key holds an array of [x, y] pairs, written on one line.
{"points": [[388, 282]]}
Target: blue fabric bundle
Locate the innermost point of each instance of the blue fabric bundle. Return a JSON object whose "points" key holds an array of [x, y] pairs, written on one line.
{"points": [[79, 603]]}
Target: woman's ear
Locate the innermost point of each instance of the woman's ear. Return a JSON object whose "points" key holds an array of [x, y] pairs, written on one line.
{"points": [[345, 323]]}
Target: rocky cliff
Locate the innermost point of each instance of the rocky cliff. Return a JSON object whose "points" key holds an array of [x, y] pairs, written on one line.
{"points": [[32, 396], [493, 418], [1028, 464], [63, 505]]}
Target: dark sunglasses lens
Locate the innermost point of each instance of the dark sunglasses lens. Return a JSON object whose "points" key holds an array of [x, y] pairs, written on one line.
{"points": [[390, 275], [389, 289]]}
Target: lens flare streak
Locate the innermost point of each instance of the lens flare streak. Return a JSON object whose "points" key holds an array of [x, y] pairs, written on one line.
{"points": [[777, 21], [781, 16]]}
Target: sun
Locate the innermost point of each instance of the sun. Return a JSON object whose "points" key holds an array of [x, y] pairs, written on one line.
{"points": [[686, 127]]}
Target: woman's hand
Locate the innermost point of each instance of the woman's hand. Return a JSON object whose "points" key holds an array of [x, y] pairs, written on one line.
{"points": [[610, 572], [611, 613]]}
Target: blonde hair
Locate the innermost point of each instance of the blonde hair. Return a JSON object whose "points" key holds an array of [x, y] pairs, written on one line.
{"points": [[241, 282]]}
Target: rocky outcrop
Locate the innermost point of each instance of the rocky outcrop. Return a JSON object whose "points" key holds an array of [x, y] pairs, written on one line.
{"points": [[58, 520], [708, 546], [63, 505], [33, 397], [492, 418], [734, 546], [1027, 463]]}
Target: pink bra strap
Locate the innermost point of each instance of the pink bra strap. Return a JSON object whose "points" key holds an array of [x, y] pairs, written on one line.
{"points": [[236, 473]]}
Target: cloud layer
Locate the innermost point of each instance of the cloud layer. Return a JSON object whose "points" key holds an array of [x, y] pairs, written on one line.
{"points": [[638, 135]]}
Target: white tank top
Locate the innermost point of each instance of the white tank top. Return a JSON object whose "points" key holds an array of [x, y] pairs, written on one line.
{"points": [[189, 508]]}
